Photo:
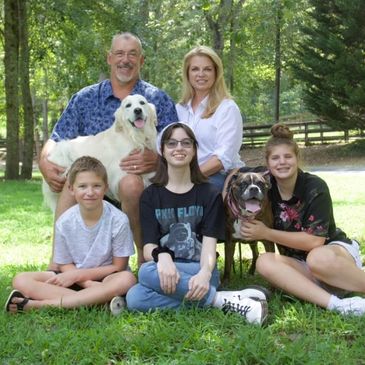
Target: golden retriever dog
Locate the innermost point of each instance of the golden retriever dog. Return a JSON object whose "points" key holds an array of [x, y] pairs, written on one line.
{"points": [[134, 128]]}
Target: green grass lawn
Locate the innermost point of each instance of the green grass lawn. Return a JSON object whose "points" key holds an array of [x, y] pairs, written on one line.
{"points": [[296, 332]]}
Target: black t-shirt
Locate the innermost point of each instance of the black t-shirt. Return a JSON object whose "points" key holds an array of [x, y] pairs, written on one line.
{"points": [[179, 221], [309, 210]]}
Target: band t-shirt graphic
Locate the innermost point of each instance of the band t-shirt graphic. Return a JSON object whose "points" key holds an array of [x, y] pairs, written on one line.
{"points": [[179, 221]]}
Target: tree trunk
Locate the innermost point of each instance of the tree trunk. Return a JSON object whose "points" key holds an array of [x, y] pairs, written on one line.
{"points": [[27, 158], [45, 120], [236, 12], [277, 60], [217, 23], [11, 32]]}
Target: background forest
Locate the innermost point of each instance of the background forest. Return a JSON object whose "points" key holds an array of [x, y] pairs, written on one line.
{"points": [[281, 57]]}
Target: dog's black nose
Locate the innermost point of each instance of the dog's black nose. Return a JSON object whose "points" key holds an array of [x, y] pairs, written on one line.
{"points": [[137, 111], [254, 189]]}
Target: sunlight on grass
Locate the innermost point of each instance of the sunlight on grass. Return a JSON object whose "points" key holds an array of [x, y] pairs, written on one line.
{"points": [[348, 196], [24, 254], [296, 332]]}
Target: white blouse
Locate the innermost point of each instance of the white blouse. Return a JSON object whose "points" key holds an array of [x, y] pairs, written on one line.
{"points": [[220, 135]]}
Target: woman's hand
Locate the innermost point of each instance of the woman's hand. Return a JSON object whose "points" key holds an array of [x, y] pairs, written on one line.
{"points": [[253, 230], [199, 285], [167, 272]]}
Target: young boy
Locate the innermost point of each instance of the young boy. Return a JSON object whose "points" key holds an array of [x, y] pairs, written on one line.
{"points": [[93, 242]]}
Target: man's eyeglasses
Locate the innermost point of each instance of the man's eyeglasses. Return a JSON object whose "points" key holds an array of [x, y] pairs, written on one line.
{"points": [[122, 54], [184, 143]]}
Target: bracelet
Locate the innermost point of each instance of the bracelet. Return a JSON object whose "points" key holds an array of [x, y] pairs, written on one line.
{"points": [[157, 250]]}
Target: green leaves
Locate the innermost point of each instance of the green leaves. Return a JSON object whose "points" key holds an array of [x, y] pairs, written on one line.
{"points": [[332, 67]]}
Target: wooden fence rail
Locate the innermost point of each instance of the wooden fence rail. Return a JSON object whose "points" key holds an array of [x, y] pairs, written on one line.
{"points": [[307, 132]]}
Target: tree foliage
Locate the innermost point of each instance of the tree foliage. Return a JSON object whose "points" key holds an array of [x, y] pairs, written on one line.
{"points": [[69, 39], [11, 61], [332, 67]]}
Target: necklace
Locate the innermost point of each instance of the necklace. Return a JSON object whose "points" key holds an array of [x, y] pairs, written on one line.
{"points": [[285, 195]]}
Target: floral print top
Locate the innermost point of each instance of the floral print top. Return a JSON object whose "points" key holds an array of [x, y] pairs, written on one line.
{"points": [[309, 210]]}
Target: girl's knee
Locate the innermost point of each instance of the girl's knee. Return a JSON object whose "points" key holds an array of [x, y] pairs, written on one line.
{"points": [[319, 259], [135, 300], [147, 272], [264, 263]]}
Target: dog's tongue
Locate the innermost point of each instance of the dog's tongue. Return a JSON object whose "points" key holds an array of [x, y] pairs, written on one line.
{"points": [[253, 205], [139, 123]]}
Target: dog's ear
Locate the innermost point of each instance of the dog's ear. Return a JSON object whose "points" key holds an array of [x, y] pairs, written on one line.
{"points": [[118, 119], [152, 113], [232, 178], [267, 176]]}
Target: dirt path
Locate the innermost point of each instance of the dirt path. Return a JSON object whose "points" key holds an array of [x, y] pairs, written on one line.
{"points": [[321, 157]]}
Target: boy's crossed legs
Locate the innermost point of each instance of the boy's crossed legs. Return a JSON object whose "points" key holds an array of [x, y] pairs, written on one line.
{"points": [[41, 294]]}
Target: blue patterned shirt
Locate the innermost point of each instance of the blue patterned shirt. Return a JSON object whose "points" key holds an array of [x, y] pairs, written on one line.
{"points": [[91, 110]]}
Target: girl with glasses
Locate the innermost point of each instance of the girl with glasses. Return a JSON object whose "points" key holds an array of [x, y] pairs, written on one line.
{"points": [[182, 217]]}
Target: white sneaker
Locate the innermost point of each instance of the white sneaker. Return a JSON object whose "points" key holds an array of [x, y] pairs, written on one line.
{"points": [[254, 311], [252, 291], [117, 305], [353, 306]]}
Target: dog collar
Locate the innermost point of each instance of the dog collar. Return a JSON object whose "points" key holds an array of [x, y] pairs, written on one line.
{"points": [[234, 209]]}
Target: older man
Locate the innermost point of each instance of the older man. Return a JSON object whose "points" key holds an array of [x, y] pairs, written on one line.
{"points": [[91, 110]]}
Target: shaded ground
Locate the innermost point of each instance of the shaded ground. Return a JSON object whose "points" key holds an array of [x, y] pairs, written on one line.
{"points": [[319, 157]]}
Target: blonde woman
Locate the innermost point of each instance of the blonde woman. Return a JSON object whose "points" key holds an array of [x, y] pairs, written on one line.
{"points": [[207, 107]]}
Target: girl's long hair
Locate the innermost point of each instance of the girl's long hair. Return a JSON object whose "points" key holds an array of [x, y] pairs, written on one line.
{"points": [[161, 177]]}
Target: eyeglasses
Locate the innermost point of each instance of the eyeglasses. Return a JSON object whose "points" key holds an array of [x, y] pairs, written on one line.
{"points": [[184, 143], [122, 54]]}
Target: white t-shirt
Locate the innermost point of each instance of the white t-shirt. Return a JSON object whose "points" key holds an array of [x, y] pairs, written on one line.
{"points": [[89, 247], [220, 135]]}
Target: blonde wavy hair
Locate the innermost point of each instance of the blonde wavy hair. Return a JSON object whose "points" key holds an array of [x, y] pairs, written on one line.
{"points": [[219, 90]]}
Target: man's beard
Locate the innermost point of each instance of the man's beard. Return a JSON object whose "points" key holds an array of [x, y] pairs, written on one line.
{"points": [[125, 78]]}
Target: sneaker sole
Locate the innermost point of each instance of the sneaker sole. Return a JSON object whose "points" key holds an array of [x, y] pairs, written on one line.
{"points": [[117, 305], [262, 289], [265, 312]]}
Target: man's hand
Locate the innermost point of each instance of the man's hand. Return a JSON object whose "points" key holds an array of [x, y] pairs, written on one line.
{"points": [[167, 272], [199, 285], [53, 174], [138, 162]]}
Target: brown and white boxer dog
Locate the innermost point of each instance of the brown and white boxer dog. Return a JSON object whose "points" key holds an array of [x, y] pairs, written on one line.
{"points": [[246, 198]]}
